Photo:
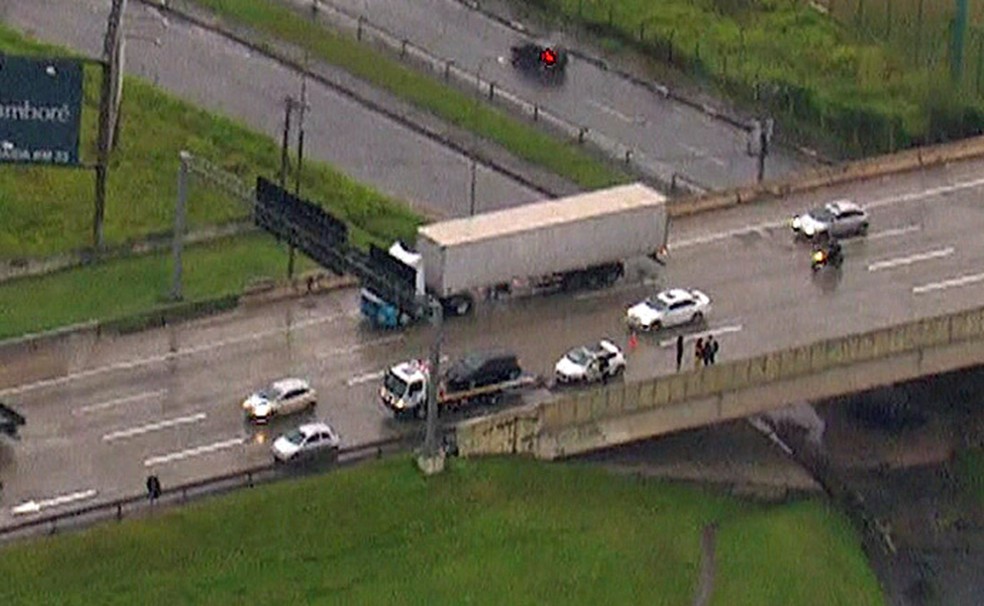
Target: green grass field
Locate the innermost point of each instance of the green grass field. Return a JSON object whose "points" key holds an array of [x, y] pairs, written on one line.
{"points": [[132, 285], [47, 210], [427, 92], [486, 532]]}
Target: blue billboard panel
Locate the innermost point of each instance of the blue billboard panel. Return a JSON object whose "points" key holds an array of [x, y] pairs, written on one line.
{"points": [[40, 110]]}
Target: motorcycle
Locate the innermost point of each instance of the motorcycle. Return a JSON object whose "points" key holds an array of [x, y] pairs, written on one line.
{"points": [[827, 256]]}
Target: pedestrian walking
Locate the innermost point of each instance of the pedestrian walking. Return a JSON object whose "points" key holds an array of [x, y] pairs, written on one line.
{"points": [[712, 348], [679, 352], [699, 353]]}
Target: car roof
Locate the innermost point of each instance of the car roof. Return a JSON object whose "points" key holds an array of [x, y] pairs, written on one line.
{"points": [[842, 206], [310, 428], [673, 295], [608, 345], [290, 384]]}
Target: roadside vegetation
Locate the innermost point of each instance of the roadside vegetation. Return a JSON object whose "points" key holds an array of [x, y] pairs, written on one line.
{"points": [[49, 210], [970, 466], [815, 74], [273, 18], [125, 287], [505, 531]]}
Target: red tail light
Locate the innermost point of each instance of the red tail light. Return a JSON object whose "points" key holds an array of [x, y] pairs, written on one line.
{"points": [[548, 56]]}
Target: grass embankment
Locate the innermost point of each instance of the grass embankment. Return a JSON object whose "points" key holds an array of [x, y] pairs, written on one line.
{"points": [[128, 286], [48, 210], [271, 17], [810, 71], [489, 532]]}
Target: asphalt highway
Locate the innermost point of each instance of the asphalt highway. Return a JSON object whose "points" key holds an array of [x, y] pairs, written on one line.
{"points": [[213, 72], [671, 135], [126, 409]]}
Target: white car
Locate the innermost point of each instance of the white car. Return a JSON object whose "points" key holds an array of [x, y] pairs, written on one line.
{"points": [[669, 308], [279, 398], [840, 218], [590, 363], [308, 439]]}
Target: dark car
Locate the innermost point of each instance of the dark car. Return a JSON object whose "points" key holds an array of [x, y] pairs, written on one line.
{"points": [[10, 420], [540, 59], [483, 368]]}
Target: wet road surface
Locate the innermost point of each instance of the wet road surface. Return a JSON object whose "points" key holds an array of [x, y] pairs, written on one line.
{"points": [[127, 409]]}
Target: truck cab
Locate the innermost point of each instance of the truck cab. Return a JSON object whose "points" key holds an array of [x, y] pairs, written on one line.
{"points": [[404, 389]]}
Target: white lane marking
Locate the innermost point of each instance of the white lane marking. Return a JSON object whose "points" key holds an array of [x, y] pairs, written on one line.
{"points": [[85, 374], [613, 112], [136, 431], [927, 193], [365, 378], [345, 350], [701, 154], [909, 197], [724, 234], [961, 281], [118, 401], [888, 233], [607, 292], [36, 506], [900, 261], [193, 452], [700, 335]]}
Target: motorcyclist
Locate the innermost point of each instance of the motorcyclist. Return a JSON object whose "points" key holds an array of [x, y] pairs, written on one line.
{"points": [[826, 252]]}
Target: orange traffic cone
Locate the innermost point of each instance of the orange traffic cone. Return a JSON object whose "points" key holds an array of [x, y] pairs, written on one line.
{"points": [[633, 341]]}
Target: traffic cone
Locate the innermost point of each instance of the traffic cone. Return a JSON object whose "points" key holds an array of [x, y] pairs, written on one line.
{"points": [[633, 341]]}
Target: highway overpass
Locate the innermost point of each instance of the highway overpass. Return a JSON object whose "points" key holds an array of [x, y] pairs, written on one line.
{"points": [[601, 418]]}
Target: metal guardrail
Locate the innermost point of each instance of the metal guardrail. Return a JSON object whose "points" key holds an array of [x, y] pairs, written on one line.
{"points": [[135, 505], [649, 169]]}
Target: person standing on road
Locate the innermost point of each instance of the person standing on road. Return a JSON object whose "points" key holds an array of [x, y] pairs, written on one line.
{"points": [[699, 352], [679, 352], [710, 349]]}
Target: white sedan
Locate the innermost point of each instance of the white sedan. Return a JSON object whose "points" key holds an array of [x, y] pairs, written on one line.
{"points": [[669, 308], [592, 363], [308, 439]]}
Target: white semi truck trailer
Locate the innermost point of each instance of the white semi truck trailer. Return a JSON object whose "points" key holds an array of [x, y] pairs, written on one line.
{"points": [[574, 242]]}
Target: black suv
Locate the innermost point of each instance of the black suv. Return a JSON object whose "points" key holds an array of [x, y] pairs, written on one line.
{"points": [[540, 59], [483, 368]]}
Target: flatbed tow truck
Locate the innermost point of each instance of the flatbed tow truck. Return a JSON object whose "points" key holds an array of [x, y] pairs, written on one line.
{"points": [[404, 391]]}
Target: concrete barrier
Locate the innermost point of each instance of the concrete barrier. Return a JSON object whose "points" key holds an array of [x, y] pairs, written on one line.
{"points": [[572, 423], [36, 357], [813, 179]]}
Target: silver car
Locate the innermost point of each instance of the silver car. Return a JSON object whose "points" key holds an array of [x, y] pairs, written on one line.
{"points": [[279, 398], [841, 218], [307, 440]]}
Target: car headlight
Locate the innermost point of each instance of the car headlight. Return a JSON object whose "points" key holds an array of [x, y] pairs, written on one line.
{"points": [[795, 222], [808, 230], [818, 256]]}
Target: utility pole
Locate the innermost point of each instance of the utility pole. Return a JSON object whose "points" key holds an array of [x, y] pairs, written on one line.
{"points": [[180, 207], [284, 161], [110, 72], [431, 460], [472, 188], [764, 134], [291, 253]]}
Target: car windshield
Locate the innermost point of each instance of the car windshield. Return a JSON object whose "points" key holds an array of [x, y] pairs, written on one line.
{"points": [[821, 214], [268, 393], [394, 384], [580, 356], [656, 303], [295, 437]]}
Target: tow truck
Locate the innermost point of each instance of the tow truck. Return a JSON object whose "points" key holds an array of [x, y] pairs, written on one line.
{"points": [[404, 390]]}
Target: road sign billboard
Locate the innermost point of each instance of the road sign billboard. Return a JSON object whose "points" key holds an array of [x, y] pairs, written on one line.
{"points": [[40, 110]]}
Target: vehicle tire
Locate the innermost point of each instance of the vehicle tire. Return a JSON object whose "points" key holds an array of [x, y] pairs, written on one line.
{"points": [[655, 326], [618, 371], [312, 405], [864, 229], [513, 375], [698, 317]]}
